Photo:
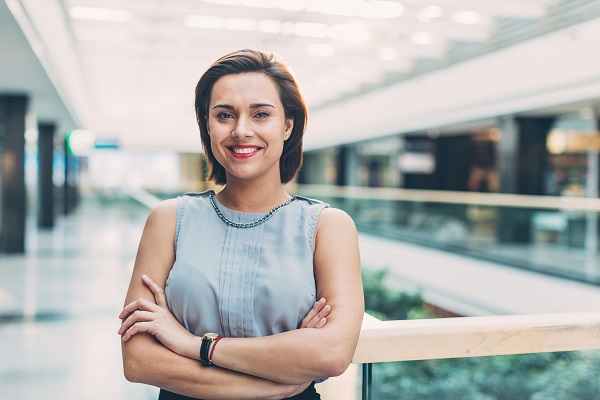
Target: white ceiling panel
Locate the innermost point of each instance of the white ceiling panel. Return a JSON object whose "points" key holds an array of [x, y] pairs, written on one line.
{"points": [[129, 68]]}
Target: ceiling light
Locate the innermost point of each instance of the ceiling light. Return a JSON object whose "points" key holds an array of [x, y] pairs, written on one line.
{"points": [[557, 141], [204, 22], [466, 17], [240, 24], [495, 134], [388, 54], [430, 12], [80, 142], [311, 29], [270, 26], [287, 28], [224, 2], [381, 9], [293, 5], [31, 135], [100, 14], [103, 35], [260, 3], [356, 33], [346, 8], [320, 49], [422, 38]]}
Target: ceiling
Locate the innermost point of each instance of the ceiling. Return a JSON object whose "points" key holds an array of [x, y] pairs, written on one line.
{"points": [[127, 69]]}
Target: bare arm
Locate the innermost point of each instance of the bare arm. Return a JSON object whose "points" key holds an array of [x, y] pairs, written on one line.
{"points": [[306, 354], [145, 360]]}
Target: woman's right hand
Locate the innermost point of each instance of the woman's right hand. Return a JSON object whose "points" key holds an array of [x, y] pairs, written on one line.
{"points": [[317, 316]]}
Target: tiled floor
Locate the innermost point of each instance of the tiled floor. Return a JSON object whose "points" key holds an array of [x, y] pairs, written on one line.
{"points": [[59, 305]]}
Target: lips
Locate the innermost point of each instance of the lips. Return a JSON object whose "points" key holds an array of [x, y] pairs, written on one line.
{"points": [[243, 151]]}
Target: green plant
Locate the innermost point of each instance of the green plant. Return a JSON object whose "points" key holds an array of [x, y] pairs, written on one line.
{"points": [[540, 376]]}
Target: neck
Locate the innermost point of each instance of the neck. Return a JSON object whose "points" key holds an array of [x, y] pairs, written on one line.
{"points": [[252, 197]]}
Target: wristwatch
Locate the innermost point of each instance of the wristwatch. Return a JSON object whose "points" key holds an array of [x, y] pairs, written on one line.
{"points": [[207, 340]]}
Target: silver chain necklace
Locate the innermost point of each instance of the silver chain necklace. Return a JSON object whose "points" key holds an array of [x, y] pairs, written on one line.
{"points": [[252, 224]]}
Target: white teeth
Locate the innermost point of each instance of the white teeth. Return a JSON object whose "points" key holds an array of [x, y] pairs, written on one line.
{"points": [[244, 150]]}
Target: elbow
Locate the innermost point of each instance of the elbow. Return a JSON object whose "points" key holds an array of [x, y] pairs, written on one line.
{"points": [[132, 371], [135, 368], [334, 365]]}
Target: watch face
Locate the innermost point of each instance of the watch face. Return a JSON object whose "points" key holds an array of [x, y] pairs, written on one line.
{"points": [[211, 335]]}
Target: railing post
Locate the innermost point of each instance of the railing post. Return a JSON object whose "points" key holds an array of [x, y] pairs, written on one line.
{"points": [[366, 381]]}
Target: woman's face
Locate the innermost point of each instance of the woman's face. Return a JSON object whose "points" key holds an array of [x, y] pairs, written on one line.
{"points": [[247, 126]]}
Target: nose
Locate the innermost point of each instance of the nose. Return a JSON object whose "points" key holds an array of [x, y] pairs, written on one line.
{"points": [[242, 128]]}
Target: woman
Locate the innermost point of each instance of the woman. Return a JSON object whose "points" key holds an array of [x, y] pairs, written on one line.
{"points": [[242, 269]]}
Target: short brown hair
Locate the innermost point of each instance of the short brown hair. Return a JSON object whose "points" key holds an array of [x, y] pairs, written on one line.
{"points": [[244, 61]]}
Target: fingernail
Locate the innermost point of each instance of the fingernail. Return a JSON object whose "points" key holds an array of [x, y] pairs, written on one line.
{"points": [[144, 276], [327, 307], [322, 299]]}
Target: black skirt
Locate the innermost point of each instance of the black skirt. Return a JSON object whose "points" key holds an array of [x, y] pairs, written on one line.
{"points": [[309, 394]]}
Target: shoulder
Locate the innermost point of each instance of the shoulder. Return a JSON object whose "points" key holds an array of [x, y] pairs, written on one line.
{"points": [[335, 218], [163, 214], [335, 225]]}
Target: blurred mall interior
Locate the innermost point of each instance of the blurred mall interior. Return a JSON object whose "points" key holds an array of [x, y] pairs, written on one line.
{"points": [[463, 137]]}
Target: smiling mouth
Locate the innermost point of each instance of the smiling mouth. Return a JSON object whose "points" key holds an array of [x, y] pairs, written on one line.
{"points": [[244, 151]]}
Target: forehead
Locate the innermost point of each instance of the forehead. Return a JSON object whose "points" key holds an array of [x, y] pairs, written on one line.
{"points": [[246, 88]]}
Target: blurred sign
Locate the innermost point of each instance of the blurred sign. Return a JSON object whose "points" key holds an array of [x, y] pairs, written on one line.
{"points": [[561, 141], [578, 143], [80, 142], [106, 143]]}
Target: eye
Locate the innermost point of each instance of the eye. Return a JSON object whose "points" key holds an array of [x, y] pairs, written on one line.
{"points": [[224, 115], [262, 114]]}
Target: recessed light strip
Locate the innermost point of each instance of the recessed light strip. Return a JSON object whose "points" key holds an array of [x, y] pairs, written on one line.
{"points": [[100, 14], [355, 33]]}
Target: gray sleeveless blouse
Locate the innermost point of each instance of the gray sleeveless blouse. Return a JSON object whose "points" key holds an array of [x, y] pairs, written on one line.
{"points": [[242, 282]]}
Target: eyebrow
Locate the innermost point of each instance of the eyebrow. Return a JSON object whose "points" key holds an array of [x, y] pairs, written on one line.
{"points": [[252, 106]]}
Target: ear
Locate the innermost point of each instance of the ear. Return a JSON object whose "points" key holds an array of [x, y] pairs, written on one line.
{"points": [[289, 125]]}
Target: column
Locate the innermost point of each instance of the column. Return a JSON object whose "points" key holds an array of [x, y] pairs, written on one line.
{"points": [[522, 158], [533, 153], [347, 165], [507, 151], [592, 268], [45, 175], [12, 159]]}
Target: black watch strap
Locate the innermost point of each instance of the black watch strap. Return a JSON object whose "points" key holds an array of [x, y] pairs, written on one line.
{"points": [[207, 340], [204, 348]]}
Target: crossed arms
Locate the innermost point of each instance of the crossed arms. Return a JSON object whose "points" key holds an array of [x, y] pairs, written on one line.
{"points": [[158, 351]]}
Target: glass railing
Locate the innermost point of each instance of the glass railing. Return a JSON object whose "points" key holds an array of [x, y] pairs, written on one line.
{"points": [[554, 235], [449, 358]]}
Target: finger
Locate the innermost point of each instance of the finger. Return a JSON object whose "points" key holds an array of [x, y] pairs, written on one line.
{"points": [[139, 304], [159, 293], [136, 328], [321, 323], [313, 312], [137, 316], [322, 314]]}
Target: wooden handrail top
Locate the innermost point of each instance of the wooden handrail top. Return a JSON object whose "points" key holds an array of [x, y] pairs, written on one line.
{"points": [[429, 339], [453, 197]]}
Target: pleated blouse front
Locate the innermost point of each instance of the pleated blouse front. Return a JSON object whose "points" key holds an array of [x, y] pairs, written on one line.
{"points": [[242, 282]]}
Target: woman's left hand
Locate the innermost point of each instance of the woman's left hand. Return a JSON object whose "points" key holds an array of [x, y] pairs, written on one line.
{"points": [[143, 315]]}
